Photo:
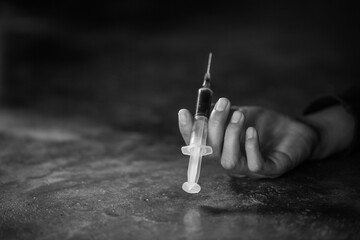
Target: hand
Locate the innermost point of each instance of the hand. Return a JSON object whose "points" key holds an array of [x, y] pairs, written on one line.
{"points": [[256, 142]]}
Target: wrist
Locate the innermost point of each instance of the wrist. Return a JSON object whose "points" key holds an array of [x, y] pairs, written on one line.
{"points": [[335, 129], [318, 146], [313, 137]]}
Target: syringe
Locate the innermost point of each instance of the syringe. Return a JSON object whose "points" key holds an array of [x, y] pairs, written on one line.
{"points": [[197, 147]]}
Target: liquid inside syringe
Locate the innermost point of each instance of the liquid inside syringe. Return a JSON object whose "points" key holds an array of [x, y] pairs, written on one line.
{"points": [[197, 147]]}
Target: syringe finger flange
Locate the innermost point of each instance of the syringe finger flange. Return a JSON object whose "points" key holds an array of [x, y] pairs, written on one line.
{"points": [[205, 150]]}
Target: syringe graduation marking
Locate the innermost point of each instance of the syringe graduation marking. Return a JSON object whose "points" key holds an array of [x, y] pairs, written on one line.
{"points": [[197, 147]]}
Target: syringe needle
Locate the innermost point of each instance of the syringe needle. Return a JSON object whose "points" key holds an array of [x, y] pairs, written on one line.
{"points": [[209, 64], [207, 74]]}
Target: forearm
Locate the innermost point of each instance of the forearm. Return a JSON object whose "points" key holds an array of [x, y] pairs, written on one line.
{"points": [[335, 127]]}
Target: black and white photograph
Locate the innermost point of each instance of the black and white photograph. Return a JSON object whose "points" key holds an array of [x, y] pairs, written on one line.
{"points": [[154, 119]]}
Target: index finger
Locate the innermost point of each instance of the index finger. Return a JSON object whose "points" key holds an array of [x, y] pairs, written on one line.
{"points": [[185, 124]]}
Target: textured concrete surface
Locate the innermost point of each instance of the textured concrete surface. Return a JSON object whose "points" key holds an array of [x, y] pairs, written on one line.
{"points": [[73, 179]]}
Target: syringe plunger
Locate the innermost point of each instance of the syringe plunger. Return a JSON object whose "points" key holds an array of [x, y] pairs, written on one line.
{"points": [[196, 149]]}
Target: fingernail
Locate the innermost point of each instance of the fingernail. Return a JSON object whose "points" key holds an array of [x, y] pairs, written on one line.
{"points": [[236, 117], [221, 104], [250, 132], [182, 116]]}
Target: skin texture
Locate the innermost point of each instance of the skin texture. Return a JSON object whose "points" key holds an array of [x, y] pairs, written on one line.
{"points": [[261, 143]]}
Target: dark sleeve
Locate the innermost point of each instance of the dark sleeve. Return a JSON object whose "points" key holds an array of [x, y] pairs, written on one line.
{"points": [[350, 100]]}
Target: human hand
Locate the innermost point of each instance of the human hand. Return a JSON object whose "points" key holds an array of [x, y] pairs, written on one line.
{"points": [[255, 142]]}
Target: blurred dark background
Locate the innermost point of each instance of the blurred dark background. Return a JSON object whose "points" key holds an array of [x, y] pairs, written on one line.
{"points": [[134, 64]]}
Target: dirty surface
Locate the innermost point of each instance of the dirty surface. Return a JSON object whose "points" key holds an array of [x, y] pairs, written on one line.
{"points": [[73, 179]]}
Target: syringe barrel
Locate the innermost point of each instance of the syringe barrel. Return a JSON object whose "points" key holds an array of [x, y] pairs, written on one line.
{"points": [[203, 103], [198, 140], [199, 131]]}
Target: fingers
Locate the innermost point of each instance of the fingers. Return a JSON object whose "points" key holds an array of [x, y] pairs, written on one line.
{"points": [[241, 152], [217, 123], [231, 149], [257, 165], [185, 124], [254, 158]]}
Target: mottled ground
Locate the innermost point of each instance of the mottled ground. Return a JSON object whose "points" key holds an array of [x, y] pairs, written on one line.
{"points": [[72, 179]]}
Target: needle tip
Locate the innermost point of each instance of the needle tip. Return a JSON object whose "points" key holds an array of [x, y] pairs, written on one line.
{"points": [[207, 74], [209, 63]]}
